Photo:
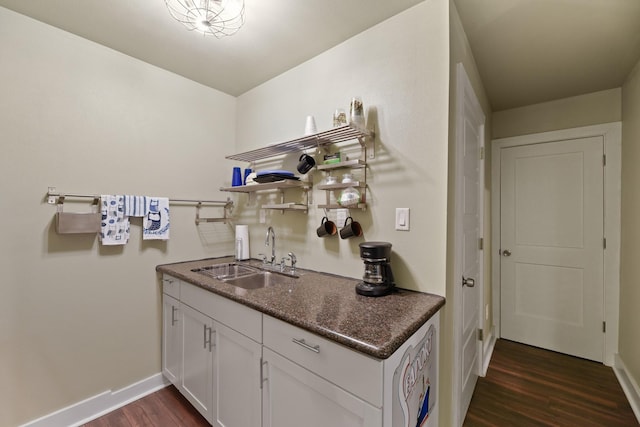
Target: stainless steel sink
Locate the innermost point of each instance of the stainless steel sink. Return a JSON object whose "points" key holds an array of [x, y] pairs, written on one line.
{"points": [[244, 276], [226, 271], [260, 280]]}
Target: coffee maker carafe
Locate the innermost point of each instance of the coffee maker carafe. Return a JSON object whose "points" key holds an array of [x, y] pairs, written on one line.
{"points": [[378, 277]]}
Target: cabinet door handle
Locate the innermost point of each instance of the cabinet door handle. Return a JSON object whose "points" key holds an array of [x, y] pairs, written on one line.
{"points": [[301, 342], [263, 372], [174, 320], [206, 338]]}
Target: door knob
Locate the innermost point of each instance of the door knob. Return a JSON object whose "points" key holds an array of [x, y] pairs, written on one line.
{"points": [[468, 281], [506, 252]]}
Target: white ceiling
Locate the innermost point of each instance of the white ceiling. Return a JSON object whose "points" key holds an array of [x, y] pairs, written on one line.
{"points": [[527, 51], [277, 35], [531, 51]]}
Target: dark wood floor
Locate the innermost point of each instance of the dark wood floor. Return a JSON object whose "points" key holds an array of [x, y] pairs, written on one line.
{"points": [[164, 408], [527, 386]]}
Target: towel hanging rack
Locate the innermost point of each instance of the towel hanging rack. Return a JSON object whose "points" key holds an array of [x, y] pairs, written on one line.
{"points": [[54, 197]]}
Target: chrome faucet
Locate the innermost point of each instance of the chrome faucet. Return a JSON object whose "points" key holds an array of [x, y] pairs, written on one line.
{"points": [[273, 243]]}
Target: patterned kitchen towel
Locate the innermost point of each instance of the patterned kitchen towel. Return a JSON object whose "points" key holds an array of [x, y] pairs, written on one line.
{"points": [[114, 227], [155, 224], [135, 205]]}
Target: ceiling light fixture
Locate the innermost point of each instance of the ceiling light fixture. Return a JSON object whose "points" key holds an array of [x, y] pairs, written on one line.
{"points": [[209, 17]]}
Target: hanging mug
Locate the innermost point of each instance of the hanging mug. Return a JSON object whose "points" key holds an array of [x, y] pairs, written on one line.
{"points": [[327, 228], [351, 229], [306, 163]]}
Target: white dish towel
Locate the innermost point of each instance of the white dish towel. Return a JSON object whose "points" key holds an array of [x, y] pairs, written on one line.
{"points": [[114, 225], [155, 223]]}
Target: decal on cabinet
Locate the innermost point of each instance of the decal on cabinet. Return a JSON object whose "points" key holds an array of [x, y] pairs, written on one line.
{"points": [[415, 383]]}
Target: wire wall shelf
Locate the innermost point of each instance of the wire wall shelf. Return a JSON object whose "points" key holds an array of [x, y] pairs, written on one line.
{"points": [[317, 140]]}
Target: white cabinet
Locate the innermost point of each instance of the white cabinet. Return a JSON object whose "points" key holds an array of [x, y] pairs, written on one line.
{"points": [[241, 368], [312, 381], [236, 384], [355, 372], [197, 360], [213, 365], [171, 339], [294, 397]]}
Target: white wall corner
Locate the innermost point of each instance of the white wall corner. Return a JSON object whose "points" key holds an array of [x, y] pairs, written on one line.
{"points": [[82, 412], [629, 385]]}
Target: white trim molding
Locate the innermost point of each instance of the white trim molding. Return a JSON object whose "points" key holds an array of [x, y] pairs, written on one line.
{"points": [[467, 106], [628, 384], [612, 137], [489, 344], [82, 412]]}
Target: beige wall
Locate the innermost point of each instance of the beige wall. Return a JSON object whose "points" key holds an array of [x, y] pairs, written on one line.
{"points": [[400, 69], [584, 110], [629, 344], [460, 52], [77, 319]]}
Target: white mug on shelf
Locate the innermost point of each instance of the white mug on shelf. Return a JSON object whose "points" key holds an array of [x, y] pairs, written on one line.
{"points": [[310, 126]]}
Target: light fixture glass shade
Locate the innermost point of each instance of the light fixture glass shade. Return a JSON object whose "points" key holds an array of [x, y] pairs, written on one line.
{"points": [[214, 17]]}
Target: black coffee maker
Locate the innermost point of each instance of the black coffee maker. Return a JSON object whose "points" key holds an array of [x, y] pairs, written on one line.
{"points": [[378, 278]]}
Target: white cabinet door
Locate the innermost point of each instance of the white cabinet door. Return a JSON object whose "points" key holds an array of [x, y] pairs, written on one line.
{"points": [[236, 384], [197, 368], [294, 397], [171, 339]]}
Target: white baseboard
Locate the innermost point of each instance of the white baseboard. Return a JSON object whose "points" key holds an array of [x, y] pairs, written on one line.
{"points": [[629, 385], [103, 403], [488, 351]]}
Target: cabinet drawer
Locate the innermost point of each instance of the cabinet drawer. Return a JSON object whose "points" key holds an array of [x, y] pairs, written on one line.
{"points": [[230, 313], [171, 286], [353, 371]]}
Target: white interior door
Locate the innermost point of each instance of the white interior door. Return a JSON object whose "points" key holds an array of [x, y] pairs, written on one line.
{"points": [[551, 244], [468, 283]]}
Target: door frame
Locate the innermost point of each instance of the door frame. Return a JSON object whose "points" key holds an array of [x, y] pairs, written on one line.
{"points": [[612, 141], [465, 94]]}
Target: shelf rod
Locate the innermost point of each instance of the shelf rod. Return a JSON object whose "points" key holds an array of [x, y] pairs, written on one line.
{"points": [[52, 196]]}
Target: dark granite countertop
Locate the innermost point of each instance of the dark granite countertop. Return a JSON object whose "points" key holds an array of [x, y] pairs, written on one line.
{"points": [[327, 305]]}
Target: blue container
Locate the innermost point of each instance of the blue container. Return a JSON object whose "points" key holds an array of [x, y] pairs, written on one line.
{"points": [[247, 172], [236, 179]]}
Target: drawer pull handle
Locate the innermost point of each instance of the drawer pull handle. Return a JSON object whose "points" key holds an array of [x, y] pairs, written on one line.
{"points": [[301, 342]]}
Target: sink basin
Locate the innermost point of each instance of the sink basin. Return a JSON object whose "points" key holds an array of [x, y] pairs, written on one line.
{"points": [[244, 276], [226, 271], [260, 280]]}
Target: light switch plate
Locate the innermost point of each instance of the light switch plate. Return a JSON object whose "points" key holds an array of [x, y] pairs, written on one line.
{"points": [[402, 219]]}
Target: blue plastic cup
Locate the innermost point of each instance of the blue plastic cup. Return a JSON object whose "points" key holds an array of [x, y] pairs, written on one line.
{"points": [[236, 179], [247, 172]]}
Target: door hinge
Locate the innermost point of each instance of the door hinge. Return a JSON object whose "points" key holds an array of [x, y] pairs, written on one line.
{"points": [[604, 327], [604, 242], [480, 243], [604, 160], [481, 153], [480, 335]]}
